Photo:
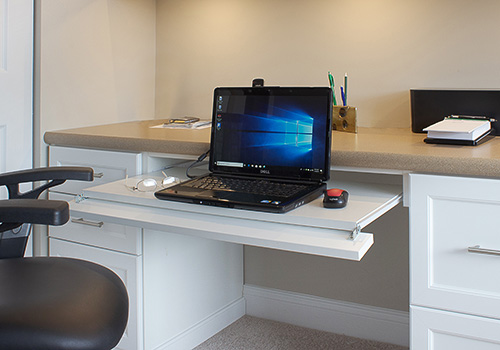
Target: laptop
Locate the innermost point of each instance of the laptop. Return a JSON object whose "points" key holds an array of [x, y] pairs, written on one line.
{"points": [[269, 150]]}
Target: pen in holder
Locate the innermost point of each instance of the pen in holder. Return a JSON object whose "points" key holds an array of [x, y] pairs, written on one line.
{"points": [[344, 119]]}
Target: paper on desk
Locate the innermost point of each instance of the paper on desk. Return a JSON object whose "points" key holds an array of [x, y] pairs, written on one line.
{"points": [[201, 124], [466, 129]]}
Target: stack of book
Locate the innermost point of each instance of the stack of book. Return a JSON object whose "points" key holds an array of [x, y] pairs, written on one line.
{"points": [[460, 130]]}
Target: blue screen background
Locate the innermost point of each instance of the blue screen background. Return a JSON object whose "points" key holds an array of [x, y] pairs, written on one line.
{"points": [[272, 131]]}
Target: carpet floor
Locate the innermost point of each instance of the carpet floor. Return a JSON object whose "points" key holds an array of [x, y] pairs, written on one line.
{"points": [[252, 333]]}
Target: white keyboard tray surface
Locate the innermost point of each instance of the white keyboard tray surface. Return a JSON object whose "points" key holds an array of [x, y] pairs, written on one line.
{"points": [[309, 229]]}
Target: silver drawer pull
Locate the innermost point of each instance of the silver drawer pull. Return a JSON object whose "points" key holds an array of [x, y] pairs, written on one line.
{"points": [[88, 223], [478, 249], [98, 175]]}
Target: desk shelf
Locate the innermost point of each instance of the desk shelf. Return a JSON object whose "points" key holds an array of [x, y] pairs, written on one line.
{"points": [[309, 229]]}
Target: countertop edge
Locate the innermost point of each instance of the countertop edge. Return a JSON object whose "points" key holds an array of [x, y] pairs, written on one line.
{"points": [[114, 143], [408, 163], [403, 152]]}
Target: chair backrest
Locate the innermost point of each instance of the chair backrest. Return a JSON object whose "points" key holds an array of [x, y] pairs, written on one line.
{"points": [[52, 302]]}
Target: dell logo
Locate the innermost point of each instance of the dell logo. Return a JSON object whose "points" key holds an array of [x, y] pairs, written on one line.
{"points": [[264, 171]]}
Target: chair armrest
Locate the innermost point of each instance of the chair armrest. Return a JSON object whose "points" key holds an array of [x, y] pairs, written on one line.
{"points": [[55, 176], [49, 173], [33, 211]]}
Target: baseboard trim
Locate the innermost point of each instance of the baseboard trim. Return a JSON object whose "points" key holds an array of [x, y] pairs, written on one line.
{"points": [[356, 320], [206, 328]]}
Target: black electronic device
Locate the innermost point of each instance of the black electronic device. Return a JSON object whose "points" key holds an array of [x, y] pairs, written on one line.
{"points": [[258, 82], [335, 198], [269, 150], [429, 106]]}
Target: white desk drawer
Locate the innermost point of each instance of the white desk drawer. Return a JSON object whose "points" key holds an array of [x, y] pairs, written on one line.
{"points": [[122, 238], [108, 166], [449, 215], [128, 267], [441, 330]]}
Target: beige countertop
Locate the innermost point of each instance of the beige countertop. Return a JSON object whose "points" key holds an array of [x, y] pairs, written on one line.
{"points": [[388, 149]]}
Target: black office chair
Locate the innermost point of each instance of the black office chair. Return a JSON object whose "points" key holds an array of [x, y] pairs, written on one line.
{"points": [[52, 302]]}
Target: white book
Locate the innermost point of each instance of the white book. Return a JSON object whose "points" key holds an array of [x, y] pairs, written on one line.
{"points": [[458, 129]]}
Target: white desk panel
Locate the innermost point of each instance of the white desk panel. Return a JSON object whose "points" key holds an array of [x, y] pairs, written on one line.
{"points": [[367, 202], [309, 229]]}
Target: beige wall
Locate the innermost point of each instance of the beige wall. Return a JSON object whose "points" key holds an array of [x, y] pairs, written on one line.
{"points": [[380, 279], [96, 63], [386, 46]]}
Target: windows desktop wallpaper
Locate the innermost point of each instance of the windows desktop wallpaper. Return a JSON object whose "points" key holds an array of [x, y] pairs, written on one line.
{"points": [[271, 131]]}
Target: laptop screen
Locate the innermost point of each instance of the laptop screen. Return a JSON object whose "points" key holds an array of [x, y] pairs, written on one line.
{"points": [[272, 132]]}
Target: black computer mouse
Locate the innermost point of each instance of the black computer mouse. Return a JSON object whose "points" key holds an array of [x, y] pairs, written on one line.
{"points": [[335, 198]]}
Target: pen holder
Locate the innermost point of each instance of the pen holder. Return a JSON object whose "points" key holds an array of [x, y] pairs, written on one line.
{"points": [[344, 119]]}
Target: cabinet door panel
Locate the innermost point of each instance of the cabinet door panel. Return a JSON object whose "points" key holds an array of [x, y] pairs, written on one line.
{"points": [[449, 215], [128, 267], [441, 330]]}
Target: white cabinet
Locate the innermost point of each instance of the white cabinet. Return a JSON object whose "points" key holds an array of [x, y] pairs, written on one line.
{"points": [[118, 247], [436, 329], [128, 267], [192, 289], [182, 289], [454, 260]]}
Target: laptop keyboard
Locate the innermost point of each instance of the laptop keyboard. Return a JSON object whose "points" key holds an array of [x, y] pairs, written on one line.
{"points": [[262, 187]]}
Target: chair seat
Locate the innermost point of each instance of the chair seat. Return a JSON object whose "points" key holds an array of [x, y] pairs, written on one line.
{"points": [[60, 303]]}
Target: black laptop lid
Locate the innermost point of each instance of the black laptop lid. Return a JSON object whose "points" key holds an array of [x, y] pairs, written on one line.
{"points": [[273, 132]]}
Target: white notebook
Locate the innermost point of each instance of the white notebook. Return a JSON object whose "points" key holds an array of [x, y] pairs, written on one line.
{"points": [[458, 129]]}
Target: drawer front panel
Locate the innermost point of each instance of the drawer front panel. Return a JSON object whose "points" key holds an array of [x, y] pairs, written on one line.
{"points": [[441, 330], [452, 219], [128, 267], [122, 238], [108, 166], [455, 228]]}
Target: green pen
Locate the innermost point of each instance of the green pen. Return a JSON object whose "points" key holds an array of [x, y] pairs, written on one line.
{"points": [[332, 85]]}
